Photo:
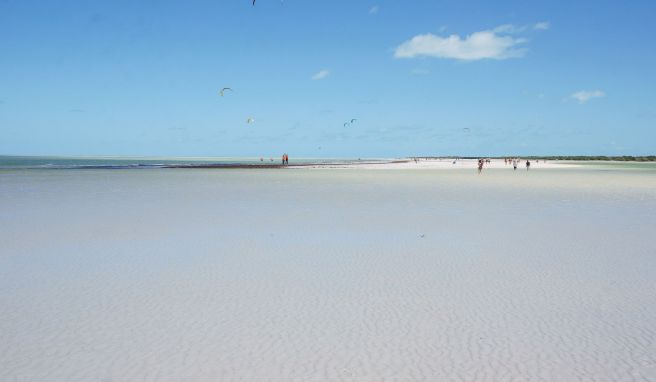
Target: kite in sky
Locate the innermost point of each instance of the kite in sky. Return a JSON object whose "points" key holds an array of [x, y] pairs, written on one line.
{"points": [[350, 123]]}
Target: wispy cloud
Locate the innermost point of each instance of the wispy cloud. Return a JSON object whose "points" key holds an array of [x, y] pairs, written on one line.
{"points": [[508, 29], [514, 29], [488, 44], [542, 25], [374, 9], [583, 96], [321, 74]]}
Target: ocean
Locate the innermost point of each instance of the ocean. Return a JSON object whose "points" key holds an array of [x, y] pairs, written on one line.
{"points": [[53, 162]]}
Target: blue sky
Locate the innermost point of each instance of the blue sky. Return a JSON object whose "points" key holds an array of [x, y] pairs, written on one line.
{"points": [[421, 78]]}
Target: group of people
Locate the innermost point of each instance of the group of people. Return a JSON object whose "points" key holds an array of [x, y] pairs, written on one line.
{"points": [[515, 161], [507, 161], [285, 159]]}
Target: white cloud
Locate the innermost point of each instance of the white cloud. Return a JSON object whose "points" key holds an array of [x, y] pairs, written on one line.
{"points": [[487, 44], [321, 74], [583, 96], [373, 10], [542, 25]]}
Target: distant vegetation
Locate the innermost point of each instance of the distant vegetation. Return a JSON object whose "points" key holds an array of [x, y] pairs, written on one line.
{"points": [[625, 158]]}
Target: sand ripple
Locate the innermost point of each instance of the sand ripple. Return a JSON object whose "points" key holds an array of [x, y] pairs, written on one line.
{"points": [[200, 276]]}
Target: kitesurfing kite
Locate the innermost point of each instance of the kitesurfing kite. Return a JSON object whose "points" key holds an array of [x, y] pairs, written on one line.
{"points": [[281, 1], [350, 123], [250, 120], [223, 91]]}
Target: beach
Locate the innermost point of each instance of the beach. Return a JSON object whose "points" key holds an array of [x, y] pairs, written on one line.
{"points": [[440, 163], [384, 271]]}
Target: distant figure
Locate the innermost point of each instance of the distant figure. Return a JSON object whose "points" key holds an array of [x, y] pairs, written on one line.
{"points": [[528, 165], [286, 159], [480, 165], [261, 159], [283, 159], [514, 162]]}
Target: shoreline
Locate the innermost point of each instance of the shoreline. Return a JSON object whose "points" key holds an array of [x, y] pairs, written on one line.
{"points": [[447, 164]]}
